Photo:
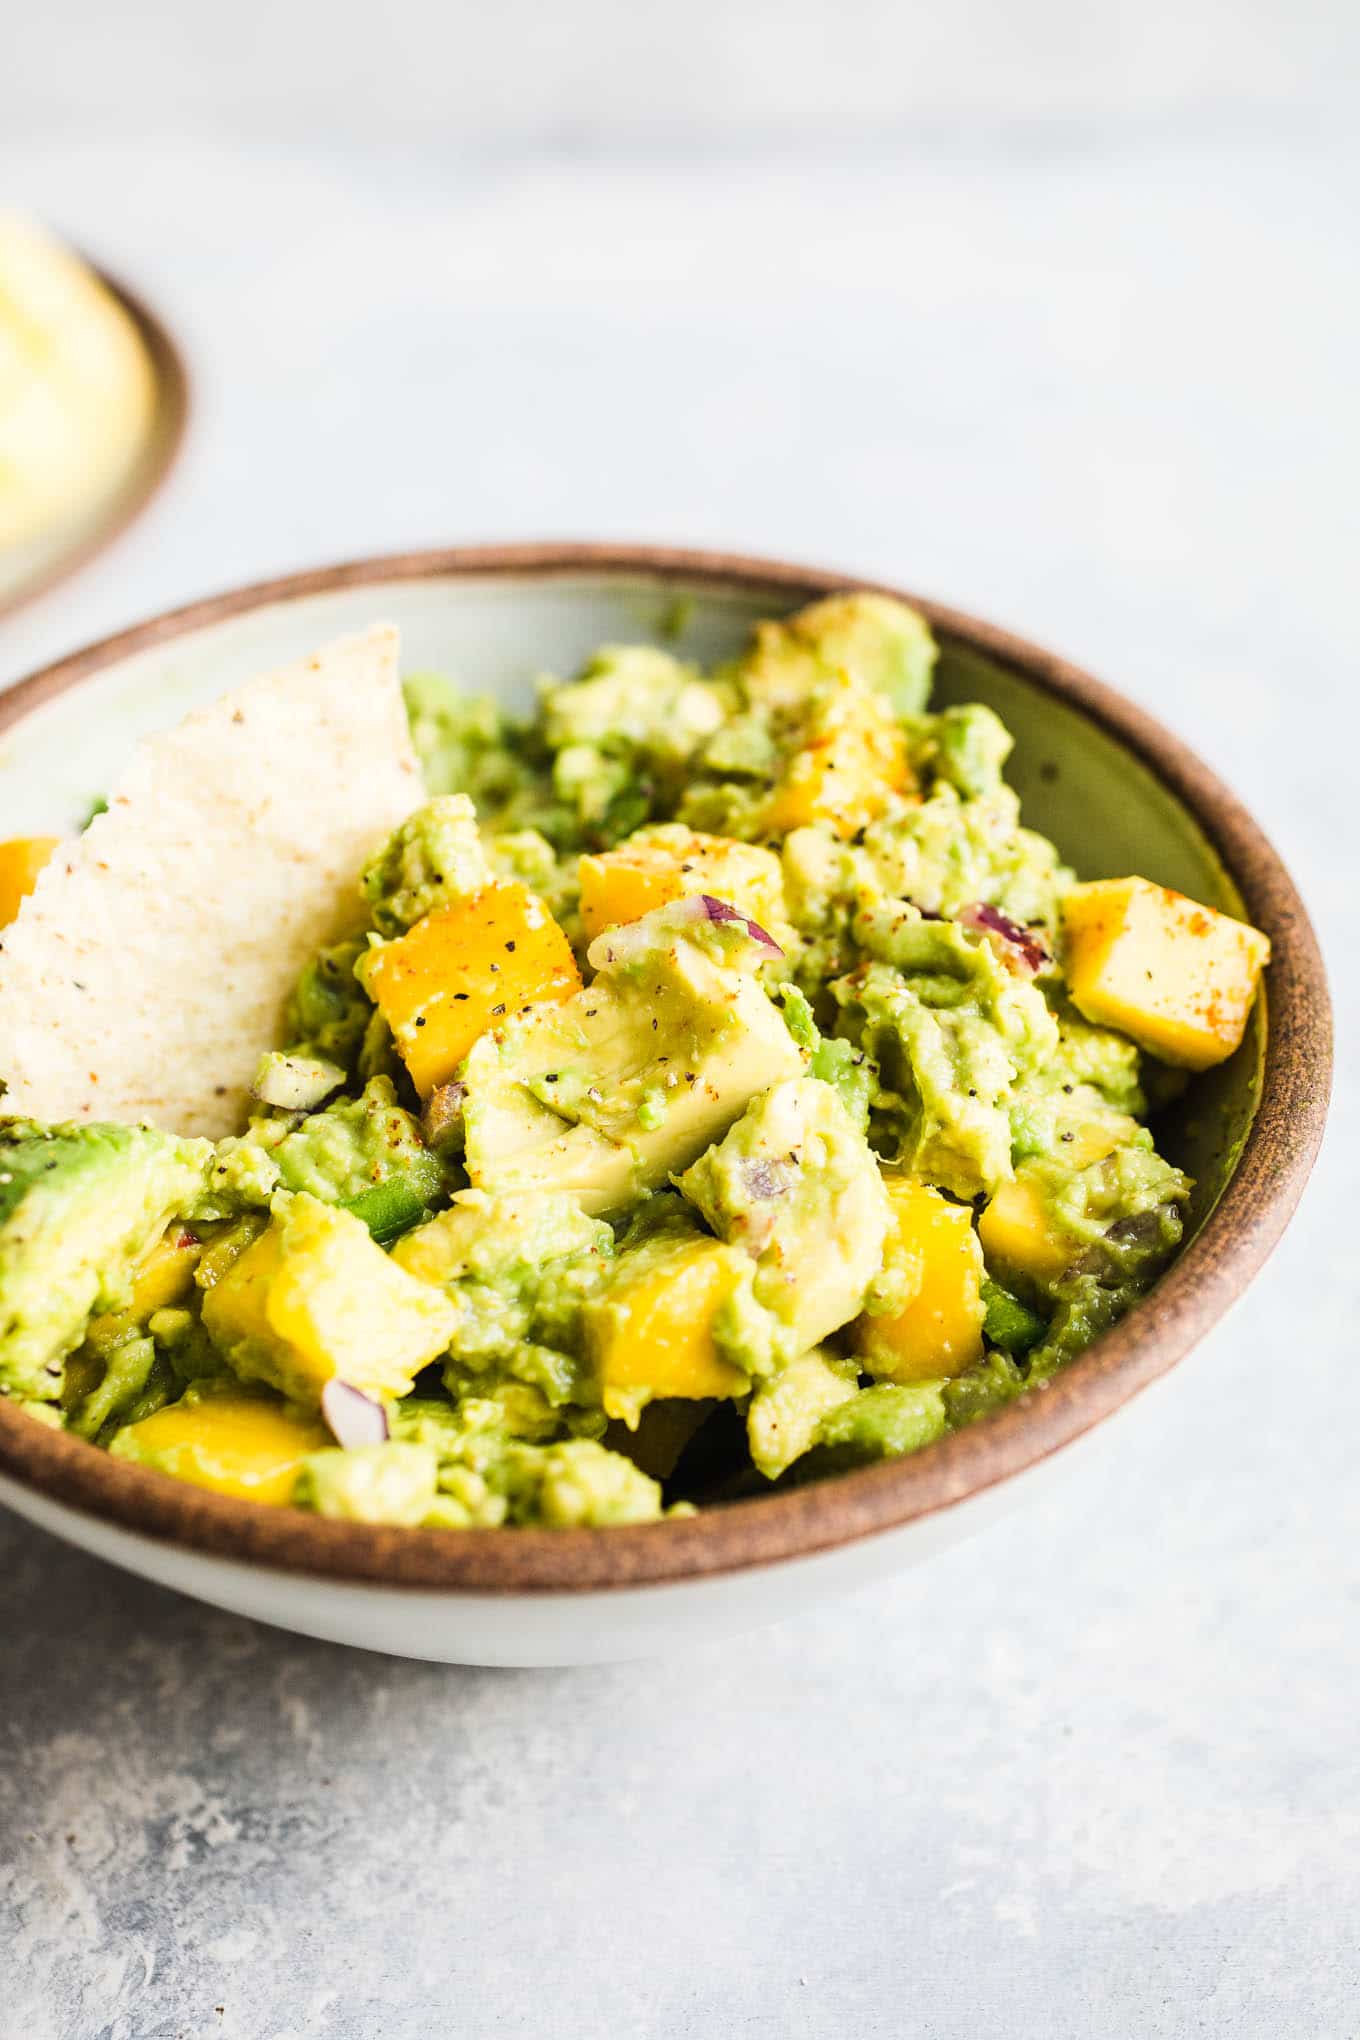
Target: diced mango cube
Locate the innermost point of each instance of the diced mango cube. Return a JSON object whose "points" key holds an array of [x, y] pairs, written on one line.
{"points": [[1017, 1235], [462, 969], [231, 1441], [651, 1333], [668, 863], [852, 762], [21, 859], [939, 1332], [1179, 978], [315, 1298]]}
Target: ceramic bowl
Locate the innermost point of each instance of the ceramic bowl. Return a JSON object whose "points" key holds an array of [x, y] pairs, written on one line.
{"points": [[1116, 790]]}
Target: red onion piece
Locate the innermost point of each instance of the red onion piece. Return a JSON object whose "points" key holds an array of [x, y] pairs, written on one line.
{"points": [[443, 1111], [763, 1179], [720, 910], [352, 1417], [616, 945], [1024, 951]]}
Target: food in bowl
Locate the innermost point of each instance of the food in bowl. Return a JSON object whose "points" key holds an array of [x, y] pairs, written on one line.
{"points": [[711, 1083]]}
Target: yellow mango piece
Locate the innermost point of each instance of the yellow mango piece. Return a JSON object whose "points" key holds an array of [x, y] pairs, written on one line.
{"points": [[462, 969], [669, 863], [1017, 1234], [315, 1298], [21, 859], [848, 771], [940, 1330], [1017, 1237], [233, 1442], [616, 889], [1177, 977], [651, 1334]]}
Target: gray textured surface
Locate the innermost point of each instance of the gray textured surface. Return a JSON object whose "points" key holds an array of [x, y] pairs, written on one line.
{"points": [[1097, 1772]]}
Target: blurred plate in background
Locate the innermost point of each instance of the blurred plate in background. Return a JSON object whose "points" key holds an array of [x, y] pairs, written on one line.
{"points": [[122, 488]]}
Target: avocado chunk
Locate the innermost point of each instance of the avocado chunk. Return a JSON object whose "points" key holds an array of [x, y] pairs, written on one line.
{"points": [[965, 747], [294, 1082], [883, 1422], [572, 1484], [391, 1483], [786, 1413], [518, 1272], [608, 1093], [494, 1468], [79, 1206], [314, 1299], [949, 1042], [504, 1456], [578, 1484], [434, 857], [329, 1012], [942, 853], [837, 1062], [622, 735], [366, 1155], [135, 1383], [879, 640], [797, 1186], [1008, 1323], [467, 744], [634, 700], [1103, 1195]]}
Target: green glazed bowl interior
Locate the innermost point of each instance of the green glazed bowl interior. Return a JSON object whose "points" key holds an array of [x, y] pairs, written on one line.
{"points": [[1117, 793]]}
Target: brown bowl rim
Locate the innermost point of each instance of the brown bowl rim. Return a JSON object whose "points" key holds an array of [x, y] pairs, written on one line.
{"points": [[169, 428], [1195, 1292]]}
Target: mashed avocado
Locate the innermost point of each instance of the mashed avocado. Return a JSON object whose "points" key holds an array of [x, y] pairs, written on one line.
{"points": [[718, 1087]]}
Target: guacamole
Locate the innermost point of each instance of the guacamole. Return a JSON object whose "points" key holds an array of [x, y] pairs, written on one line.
{"points": [[713, 1085]]}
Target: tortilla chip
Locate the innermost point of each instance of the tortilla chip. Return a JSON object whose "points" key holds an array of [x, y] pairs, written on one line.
{"points": [[151, 965]]}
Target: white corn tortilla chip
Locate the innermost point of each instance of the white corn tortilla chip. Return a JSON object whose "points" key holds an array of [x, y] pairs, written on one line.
{"points": [[150, 967]]}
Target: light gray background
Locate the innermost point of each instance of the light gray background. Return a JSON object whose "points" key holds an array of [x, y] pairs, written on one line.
{"points": [[1050, 310]]}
